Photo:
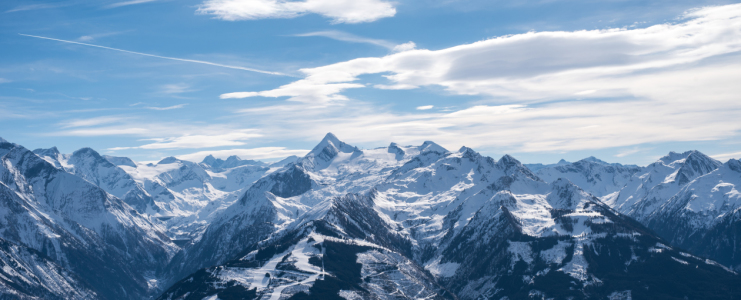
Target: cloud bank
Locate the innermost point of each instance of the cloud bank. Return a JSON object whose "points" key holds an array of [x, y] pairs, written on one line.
{"points": [[539, 91]]}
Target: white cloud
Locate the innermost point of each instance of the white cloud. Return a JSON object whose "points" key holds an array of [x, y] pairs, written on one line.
{"points": [[105, 131], [348, 37], [3, 80], [127, 3], [425, 107], [175, 88], [166, 108], [627, 152], [668, 82], [254, 153], [340, 11], [726, 156], [405, 47], [535, 65], [234, 138], [92, 121]]}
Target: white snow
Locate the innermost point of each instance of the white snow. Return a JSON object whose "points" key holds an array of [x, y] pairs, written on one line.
{"points": [[442, 269]]}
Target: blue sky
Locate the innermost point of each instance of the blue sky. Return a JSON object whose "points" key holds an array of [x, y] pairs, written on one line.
{"points": [[625, 81]]}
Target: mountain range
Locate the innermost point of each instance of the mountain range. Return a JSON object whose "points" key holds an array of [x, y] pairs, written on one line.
{"points": [[396, 222]]}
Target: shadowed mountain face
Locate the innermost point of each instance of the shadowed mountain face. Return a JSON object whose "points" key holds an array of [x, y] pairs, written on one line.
{"points": [[401, 222], [80, 227]]}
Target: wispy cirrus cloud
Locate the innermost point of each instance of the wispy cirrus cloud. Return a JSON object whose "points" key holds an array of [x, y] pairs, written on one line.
{"points": [[234, 138], [339, 11], [127, 3], [92, 121], [158, 56], [726, 156], [91, 37], [166, 108], [348, 37], [34, 7], [175, 88]]}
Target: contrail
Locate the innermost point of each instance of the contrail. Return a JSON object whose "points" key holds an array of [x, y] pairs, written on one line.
{"points": [[165, 57]]}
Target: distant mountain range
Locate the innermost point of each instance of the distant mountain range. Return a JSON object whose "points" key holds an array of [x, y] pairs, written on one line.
{"points": [[396, 222]]}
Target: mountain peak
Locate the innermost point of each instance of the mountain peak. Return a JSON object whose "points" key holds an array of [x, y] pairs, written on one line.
{"points": [[53, 151], [734, 164], [674, 156], [508, 160], [85, 151], [168, 160], [331, 140], [562, 162], [464, 149], [593, 159], [432, 147], [120, 161], [395, 149]]}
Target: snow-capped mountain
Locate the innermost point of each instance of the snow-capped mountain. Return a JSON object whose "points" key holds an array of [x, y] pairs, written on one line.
{"points": [[536, 167], [191, 194], [96, 169], [705, 215], [28, 274], [650, 188], [79, 226], [594, 175], [400, 221]]}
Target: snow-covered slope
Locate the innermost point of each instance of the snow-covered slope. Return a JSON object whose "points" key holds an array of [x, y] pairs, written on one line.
{"points": [[705, 216], [480, 227], [27, 274], [96, 169], [565, 243], [658, 182], [191, 194], [79, 226], [345, 248], [591, 174]]}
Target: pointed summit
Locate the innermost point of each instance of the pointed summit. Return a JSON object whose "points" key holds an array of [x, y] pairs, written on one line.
{"points": [[507, 161], [326, 151], [734, 164], [430, 146], [209, 160], [695, 165], [330, 140]]}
